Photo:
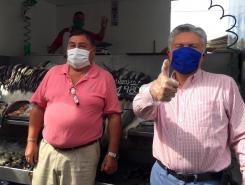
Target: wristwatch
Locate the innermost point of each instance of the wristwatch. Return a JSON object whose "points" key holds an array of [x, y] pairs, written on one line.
{"points": [[113, 155]]}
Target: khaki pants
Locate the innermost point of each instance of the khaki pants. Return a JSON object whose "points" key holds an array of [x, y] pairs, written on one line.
{"points": [[73, 167]]}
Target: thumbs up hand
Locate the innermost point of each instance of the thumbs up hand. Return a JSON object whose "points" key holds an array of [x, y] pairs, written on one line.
{"points": [[164, 88]]}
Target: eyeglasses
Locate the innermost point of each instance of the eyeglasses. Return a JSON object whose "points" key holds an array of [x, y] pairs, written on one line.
{"points": [[73, 93]]}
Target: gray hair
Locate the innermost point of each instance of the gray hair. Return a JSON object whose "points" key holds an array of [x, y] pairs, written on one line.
{"points": [[188, 28]]}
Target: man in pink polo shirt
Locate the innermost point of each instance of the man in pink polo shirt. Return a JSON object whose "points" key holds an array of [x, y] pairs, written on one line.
{"points": [[69, 105], [200, 116]]}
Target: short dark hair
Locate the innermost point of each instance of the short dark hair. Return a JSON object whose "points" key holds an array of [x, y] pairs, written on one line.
{"points": [[76, 32], [78, 13]]}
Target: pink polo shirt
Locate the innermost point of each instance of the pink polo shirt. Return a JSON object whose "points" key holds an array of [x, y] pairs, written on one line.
{"points": [[65, 123]]}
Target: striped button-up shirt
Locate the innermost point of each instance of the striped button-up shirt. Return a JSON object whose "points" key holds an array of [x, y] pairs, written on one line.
{"points": [[195, 130]]}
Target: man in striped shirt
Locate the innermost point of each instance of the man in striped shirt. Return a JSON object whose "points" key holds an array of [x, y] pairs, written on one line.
{"points": [[199, 115]]}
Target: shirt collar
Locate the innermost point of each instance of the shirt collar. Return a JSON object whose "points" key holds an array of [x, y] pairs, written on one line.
{"points": [[92, 72], [197, 76]]}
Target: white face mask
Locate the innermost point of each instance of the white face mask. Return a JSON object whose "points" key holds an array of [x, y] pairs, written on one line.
{"points": [[78, 58]]}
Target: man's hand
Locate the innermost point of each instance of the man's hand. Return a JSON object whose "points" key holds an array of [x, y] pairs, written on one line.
{"points": [[164, 88], [109, 165], [104, 22], [31, 152]]}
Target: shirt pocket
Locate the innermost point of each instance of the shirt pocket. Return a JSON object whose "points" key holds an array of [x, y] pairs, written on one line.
{"points": [[203, 114]]}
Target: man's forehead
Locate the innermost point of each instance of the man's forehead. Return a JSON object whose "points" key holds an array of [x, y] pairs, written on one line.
{"points": [[79, 38], [186, 43], [78, 41], [74, 40], [187, 37]]}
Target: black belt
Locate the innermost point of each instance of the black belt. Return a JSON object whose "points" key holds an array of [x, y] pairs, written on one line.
{"points": [[77, 147], [193, 177]]}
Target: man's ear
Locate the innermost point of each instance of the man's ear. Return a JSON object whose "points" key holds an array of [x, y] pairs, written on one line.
{"points": [[94, 50], [92, 54], [205, 52], [204, 58]]}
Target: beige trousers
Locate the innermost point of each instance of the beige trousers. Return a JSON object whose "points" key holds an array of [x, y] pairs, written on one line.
{"points": [[73, 167]]}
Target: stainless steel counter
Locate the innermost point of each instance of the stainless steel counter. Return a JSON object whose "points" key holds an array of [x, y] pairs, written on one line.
{"points": [[15, 175]]}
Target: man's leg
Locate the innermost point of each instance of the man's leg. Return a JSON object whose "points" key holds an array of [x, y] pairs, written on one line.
{"points": [[44, 172], [78, 167]]}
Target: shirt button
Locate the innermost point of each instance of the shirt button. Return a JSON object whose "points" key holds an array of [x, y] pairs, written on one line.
{"points": [[181, 121]]}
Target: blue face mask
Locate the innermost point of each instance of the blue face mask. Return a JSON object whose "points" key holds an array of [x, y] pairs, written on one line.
{"points": [[185, 60]]}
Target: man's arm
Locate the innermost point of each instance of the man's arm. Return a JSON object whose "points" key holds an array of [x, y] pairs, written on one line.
{"points": [[103, 26], [101, 34], [162, 89], [58, 41], [143, 104], [109, 164], [35, 126], [114, 132], [236, 113]]}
